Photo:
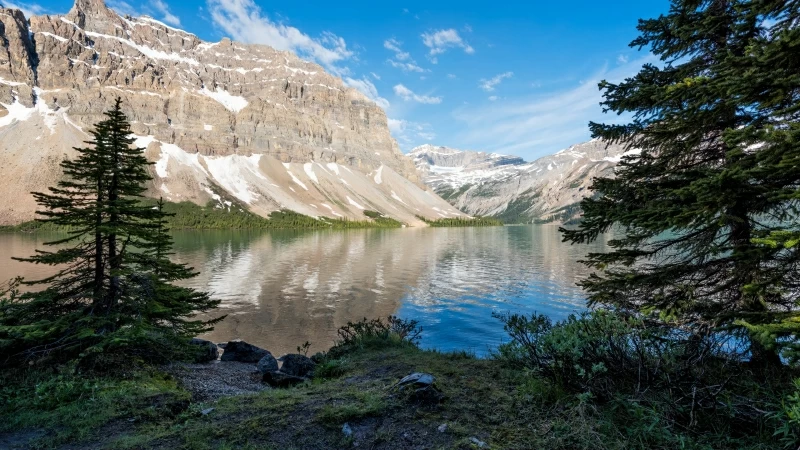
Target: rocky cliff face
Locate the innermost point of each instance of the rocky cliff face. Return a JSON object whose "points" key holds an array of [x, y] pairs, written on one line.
{"points": [[219, 119], [507, 187]]}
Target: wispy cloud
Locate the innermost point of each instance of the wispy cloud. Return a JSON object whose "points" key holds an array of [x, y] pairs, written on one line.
{"points": [[158, 9], [410, 133], [394, 45], [244, 21], [408, 95], [440, 41], [406, 66], [29, 9], [165, 13], [123, 7], [402, 59], [541, 124], [375, 75], [489, 85], [622, 59], [493, 98], [365, 86]]}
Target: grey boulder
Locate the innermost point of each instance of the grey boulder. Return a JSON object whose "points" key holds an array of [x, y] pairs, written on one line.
{"points": [[267, 364], [241, 351], [206, 350], [297, 365]]}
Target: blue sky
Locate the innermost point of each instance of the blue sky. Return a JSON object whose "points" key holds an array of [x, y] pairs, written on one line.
{"points": [[510, 77]]}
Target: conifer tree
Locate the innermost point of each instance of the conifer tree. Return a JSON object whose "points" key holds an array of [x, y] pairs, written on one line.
{"points": [[707, 198], [112, 288]]}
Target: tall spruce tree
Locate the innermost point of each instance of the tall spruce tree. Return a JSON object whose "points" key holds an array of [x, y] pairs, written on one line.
{"points": [[707, 200], [112, 289]]}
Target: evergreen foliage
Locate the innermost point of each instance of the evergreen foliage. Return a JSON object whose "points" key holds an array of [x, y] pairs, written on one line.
{"points": [[112, 290], [187, 215], [462, 222], [708, 206]]}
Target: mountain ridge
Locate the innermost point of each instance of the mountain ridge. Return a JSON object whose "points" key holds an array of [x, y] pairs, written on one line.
{"points": [[272, 130], [512, 189]]}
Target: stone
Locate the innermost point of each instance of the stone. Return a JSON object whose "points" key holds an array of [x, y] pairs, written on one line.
{"points": [[420, 388], [417, 379], [206, 411], [297, 365], [206, 352], [267, 364], [280, 379], [347, 430], [442, 428], [241, 351], [478, 442]]}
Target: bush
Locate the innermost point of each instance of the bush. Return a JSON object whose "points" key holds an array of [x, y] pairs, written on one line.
{"points": [[693, 381], [788, 418], [375, 333]]}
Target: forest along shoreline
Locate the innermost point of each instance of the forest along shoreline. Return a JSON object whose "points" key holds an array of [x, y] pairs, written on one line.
{"points": [[190, 216]]}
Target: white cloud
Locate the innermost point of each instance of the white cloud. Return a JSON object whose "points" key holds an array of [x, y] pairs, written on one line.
{"points": [[122, 7], [375, 75], [28, 9], [156, 8], [452, 76], [441, 40], [407, 95], [541, 124], [367, 88], [492, 98], [402, 59], [488, 85], [410, 134], [393, 45], [243, 21], [166, 15], [406, 67], [622, 59]]}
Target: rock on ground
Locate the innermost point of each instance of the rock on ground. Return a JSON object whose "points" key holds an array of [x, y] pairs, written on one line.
{"points": [[241, 351]]}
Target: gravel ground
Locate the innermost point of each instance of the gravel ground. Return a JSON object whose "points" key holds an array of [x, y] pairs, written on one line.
{"points": [[217, 379]]}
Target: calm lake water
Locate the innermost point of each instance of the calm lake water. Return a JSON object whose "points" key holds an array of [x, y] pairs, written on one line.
{"points": [[281, 289]]}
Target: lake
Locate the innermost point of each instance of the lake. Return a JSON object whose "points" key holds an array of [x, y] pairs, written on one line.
{"points": [[283, 288]]}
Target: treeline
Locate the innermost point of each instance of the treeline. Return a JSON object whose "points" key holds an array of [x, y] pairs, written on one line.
{"points": [[190, 216], [462, 222], [187, 215]]}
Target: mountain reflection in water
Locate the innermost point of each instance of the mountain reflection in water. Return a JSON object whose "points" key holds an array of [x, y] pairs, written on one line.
{"points": [[283, 288]]}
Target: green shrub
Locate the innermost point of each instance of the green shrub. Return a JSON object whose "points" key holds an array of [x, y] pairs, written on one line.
{"points": [[375, 333], [691, 381], [788, 418]]}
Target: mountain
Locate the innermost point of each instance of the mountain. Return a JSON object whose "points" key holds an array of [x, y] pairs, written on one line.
{"points": [[223, 122], [507, 187]]}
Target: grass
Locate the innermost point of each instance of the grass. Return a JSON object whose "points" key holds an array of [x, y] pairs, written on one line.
{"points": [[63, 407]]}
